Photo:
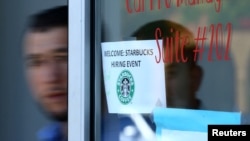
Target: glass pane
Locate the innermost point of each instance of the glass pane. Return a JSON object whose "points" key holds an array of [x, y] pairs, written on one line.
{"points": [[163, 58]]}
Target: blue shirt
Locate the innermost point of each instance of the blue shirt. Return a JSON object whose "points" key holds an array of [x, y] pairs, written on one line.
{"points": [[51, 132]]}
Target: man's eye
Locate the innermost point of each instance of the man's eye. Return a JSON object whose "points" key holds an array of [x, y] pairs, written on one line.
{"points": [[63, 57], [171, 74], [33, 63]]}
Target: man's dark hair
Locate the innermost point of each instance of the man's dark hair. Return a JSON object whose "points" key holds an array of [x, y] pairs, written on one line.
{"points": [[49, 18]]}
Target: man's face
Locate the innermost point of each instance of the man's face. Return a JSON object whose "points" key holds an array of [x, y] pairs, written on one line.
{"points": [[46, 55], [179, 85]]}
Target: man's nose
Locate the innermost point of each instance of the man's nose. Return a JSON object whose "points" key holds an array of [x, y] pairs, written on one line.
{"points": [[52, 72]]}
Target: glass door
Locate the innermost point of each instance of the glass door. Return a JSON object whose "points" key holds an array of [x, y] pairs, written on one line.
{"points": [[163, 65]]}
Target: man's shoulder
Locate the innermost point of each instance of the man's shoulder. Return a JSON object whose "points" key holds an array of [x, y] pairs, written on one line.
{"points": [[51, 132]]}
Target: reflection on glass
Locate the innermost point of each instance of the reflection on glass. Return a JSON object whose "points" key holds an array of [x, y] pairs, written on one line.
{"points": [[204, 51]]}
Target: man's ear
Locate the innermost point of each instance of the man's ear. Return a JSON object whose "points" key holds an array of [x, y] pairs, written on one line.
{"points": [[197, 76]]}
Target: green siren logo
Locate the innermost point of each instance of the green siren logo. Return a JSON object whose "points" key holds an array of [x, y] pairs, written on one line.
{"points": [[125, 87]]}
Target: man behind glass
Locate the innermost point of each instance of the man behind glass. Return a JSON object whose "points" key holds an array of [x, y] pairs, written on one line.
{"points": [[45, 50]]}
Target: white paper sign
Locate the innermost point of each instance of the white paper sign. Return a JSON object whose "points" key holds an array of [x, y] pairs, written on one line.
{"points": [[134, 81]]}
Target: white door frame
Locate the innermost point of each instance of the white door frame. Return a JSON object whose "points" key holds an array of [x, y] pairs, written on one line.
{"points": [[78, 70]]}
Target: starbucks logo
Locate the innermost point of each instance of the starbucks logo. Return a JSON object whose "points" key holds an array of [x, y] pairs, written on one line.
{"points": [[125, 87]]}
